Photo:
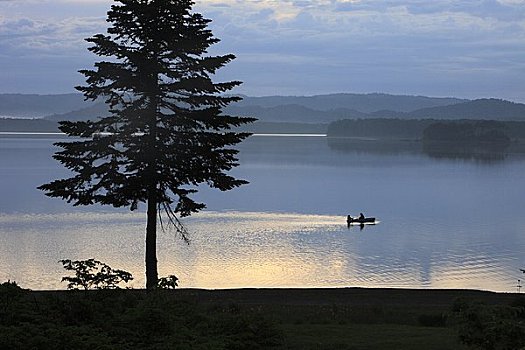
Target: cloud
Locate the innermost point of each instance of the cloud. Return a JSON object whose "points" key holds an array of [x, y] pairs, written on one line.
{"points": [[406, 46], [302, 47], [499, 10], [26, 36]]}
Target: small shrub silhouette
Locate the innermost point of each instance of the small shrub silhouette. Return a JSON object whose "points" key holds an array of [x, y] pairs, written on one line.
{"points": [[93, 274], [169, 282]]}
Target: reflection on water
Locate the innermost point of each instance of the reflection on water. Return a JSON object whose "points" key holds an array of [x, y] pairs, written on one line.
{"points": [[373, 146], [444, 223], [238, 249], [482, 152], [486, 153]]}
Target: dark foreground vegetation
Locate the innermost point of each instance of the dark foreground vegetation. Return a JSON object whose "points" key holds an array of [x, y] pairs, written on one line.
{"points": [[260, 319]]}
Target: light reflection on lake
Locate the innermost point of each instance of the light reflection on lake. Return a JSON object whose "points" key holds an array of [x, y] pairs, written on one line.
{"points": [[445, 223]]}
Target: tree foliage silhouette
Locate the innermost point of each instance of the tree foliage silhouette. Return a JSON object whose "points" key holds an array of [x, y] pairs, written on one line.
{"points": [[166, 133]]}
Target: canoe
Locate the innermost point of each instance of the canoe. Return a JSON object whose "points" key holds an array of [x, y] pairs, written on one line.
{"points": [[360, 221]]}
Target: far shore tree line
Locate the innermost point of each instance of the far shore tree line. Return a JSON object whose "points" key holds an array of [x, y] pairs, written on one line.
{"points": [[382, 128], [431, 130]]}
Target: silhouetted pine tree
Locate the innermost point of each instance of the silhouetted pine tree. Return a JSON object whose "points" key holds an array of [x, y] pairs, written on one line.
{"points": [[166, 133]]}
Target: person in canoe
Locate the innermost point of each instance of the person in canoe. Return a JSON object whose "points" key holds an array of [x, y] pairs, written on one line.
{"points": [[350, 219]]}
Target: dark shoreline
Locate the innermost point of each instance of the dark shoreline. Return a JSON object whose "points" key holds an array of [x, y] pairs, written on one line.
{"points": [[325, 296]]}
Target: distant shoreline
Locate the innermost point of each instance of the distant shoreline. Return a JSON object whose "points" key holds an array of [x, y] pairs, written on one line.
{"points": [[61, 134]]}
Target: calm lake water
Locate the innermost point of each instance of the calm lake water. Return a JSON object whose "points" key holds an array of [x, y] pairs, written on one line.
{"points": [[446, 220]]}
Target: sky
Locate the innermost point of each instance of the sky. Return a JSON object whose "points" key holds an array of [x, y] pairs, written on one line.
{"points": [[468, 48]]}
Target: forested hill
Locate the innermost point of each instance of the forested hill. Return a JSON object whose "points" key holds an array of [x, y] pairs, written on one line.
{"points": [[92, 112], [365, 103], [305, 109], [295, 113], [488, 109], [321, 109], [33, 106], [478, 109], [291, 109], [492, 109]]}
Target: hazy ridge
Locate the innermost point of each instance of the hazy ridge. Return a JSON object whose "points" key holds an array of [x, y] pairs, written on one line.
{"points": [[271, 110], [365, 103], [36, 106]]}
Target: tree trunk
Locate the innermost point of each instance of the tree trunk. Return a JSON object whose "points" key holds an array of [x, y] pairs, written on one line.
{"points": [[152, 275], [151, 242]]}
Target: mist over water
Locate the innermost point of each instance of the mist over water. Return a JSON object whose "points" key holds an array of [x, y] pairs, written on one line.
{"points": [[446, 221]]}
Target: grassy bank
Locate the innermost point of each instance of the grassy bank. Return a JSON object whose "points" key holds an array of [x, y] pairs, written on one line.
{"points": [[236, 319]]}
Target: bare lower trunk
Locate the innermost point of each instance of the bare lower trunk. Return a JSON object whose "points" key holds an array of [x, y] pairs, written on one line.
{"points": [[152, 275], [151, 243]]}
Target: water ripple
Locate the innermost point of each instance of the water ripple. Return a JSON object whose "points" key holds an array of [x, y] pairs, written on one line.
{"points": [[258, 249]]}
